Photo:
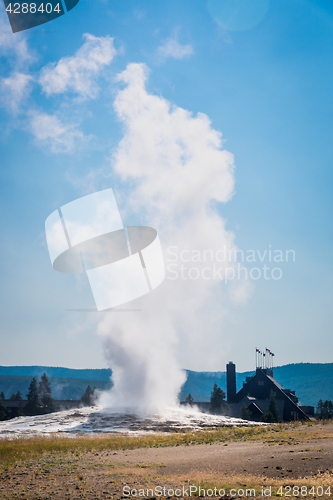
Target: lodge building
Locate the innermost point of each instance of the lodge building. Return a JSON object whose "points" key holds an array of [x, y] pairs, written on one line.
{"points": [[255, 395]]}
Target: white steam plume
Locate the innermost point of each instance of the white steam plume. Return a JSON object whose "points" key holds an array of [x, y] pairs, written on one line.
{"points": [[177, 169]]}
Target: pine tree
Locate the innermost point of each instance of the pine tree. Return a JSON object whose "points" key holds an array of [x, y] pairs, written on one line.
{"points": [[272, 413], [189, 400], [319, 409], [330, 409], [324, 409], [3, 411], [19, 410], [2, 396], [32, 406], [89, 397], [325, 412], [18, 396], [268, 417], [245, 413], [327, 409], [45, 395], [218, 405]]}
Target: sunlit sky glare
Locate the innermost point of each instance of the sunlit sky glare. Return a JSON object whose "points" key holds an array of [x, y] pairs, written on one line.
{"points": [[263, 75]]}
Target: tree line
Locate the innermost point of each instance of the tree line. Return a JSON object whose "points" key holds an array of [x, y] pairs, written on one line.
{"points": [[324, 409], [39, 400], [218, 404]]}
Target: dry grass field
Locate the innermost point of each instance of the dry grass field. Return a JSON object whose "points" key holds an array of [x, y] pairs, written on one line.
{"points": [[294, 460]]}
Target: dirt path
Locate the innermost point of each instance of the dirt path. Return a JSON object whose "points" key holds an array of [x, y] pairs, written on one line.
{"points": [[301, 456], [236, 458]]}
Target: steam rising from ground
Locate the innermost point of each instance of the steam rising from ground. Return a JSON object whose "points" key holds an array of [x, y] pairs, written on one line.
{"points": [[177, 170]]}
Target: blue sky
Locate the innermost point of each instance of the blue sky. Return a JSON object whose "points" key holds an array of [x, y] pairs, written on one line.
{"points": [[267, 88]]}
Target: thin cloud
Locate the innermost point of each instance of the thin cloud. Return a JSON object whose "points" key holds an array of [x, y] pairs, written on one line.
{"points": [[14, 45], [172, 48], [17, 89], [53, 130], [16, 86], [79, 73], [50, 131]]}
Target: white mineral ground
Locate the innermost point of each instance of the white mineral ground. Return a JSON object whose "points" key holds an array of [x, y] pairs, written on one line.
{"points": [[105, 420]]}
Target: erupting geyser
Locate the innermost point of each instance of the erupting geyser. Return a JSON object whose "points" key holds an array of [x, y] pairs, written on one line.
{"points": [[172, 173]]}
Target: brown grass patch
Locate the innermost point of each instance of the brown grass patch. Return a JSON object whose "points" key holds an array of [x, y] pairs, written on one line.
{"points": [[13, 450]]}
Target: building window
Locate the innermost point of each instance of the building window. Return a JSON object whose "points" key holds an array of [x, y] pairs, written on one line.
{"points": [[261, 382]]}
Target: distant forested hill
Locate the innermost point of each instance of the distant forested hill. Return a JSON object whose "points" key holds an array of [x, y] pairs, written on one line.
{"points": [[200, 384], [51, 371], [311, 381]]}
